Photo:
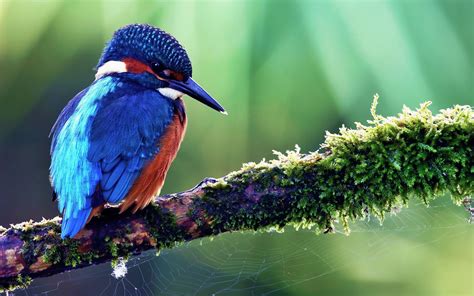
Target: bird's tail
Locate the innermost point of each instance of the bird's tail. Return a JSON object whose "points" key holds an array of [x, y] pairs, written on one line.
{"points": [[72, 225]]}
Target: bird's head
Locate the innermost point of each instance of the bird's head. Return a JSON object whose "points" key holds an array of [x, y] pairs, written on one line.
{"points": [[155, 59]]}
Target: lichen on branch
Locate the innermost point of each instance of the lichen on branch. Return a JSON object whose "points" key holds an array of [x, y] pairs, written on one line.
{"points": [[356, 172]]}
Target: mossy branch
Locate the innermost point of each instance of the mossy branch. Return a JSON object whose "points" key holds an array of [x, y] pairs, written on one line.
{"points": [[370, 169]]}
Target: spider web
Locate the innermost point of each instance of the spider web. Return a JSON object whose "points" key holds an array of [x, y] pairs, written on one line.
{"points": [[402, 255]]}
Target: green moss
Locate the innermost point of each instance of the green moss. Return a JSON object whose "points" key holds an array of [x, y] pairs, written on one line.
{"points": [[220, 184], [20, 282], [30, 232], [67, 252], [371, 169], [52, 255], [23, 281], [72, 257], [163, 227], [112, 249]]}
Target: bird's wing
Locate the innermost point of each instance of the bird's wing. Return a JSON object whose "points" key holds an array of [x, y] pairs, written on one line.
{"points": [[63, 118], [73, 177], [124, 137], [101, 142], [59, 124]]}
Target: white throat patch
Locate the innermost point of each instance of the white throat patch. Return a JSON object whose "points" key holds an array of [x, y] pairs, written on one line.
{"points": [[170, 93], [111, 67]]}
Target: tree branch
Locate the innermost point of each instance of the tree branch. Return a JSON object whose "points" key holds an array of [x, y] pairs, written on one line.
{"points": [[359, 171]]}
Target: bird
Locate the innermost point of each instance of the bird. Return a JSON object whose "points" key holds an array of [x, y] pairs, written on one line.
{"points": [[114, 142]]}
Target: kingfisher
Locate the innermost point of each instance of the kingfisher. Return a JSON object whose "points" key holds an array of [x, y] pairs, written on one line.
{"points": [[115, 140]]}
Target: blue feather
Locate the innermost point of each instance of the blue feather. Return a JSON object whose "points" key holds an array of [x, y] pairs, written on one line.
{"points": [[74, 178], [108, 166], [120, 189], [71, 225], [64, 116], [110, 179]]}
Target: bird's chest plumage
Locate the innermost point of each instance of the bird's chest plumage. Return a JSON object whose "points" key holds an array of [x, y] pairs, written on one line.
{"points": [[151, 179]]}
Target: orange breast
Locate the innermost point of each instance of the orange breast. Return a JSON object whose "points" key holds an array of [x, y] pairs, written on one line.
{"points": [[150, 181]]}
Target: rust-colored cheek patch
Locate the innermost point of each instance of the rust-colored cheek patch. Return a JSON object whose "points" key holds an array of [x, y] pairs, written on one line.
{"points": [[134, 66], [174, 75]]}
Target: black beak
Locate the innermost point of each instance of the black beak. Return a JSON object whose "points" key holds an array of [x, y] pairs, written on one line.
{"points": [[192, 89]]}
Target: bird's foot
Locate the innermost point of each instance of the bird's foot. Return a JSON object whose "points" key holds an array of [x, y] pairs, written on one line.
{"points": [[197, 187], [204, 182]]}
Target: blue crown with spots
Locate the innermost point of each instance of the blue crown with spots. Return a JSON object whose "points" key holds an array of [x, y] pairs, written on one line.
{"points": [[147, 44]]}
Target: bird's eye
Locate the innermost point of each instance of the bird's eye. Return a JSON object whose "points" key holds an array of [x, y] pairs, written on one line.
{"points": [[157, 67], [164, 73]]}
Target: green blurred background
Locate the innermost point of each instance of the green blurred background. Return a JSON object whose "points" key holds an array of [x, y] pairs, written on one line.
{"points": [[286, 71]]}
